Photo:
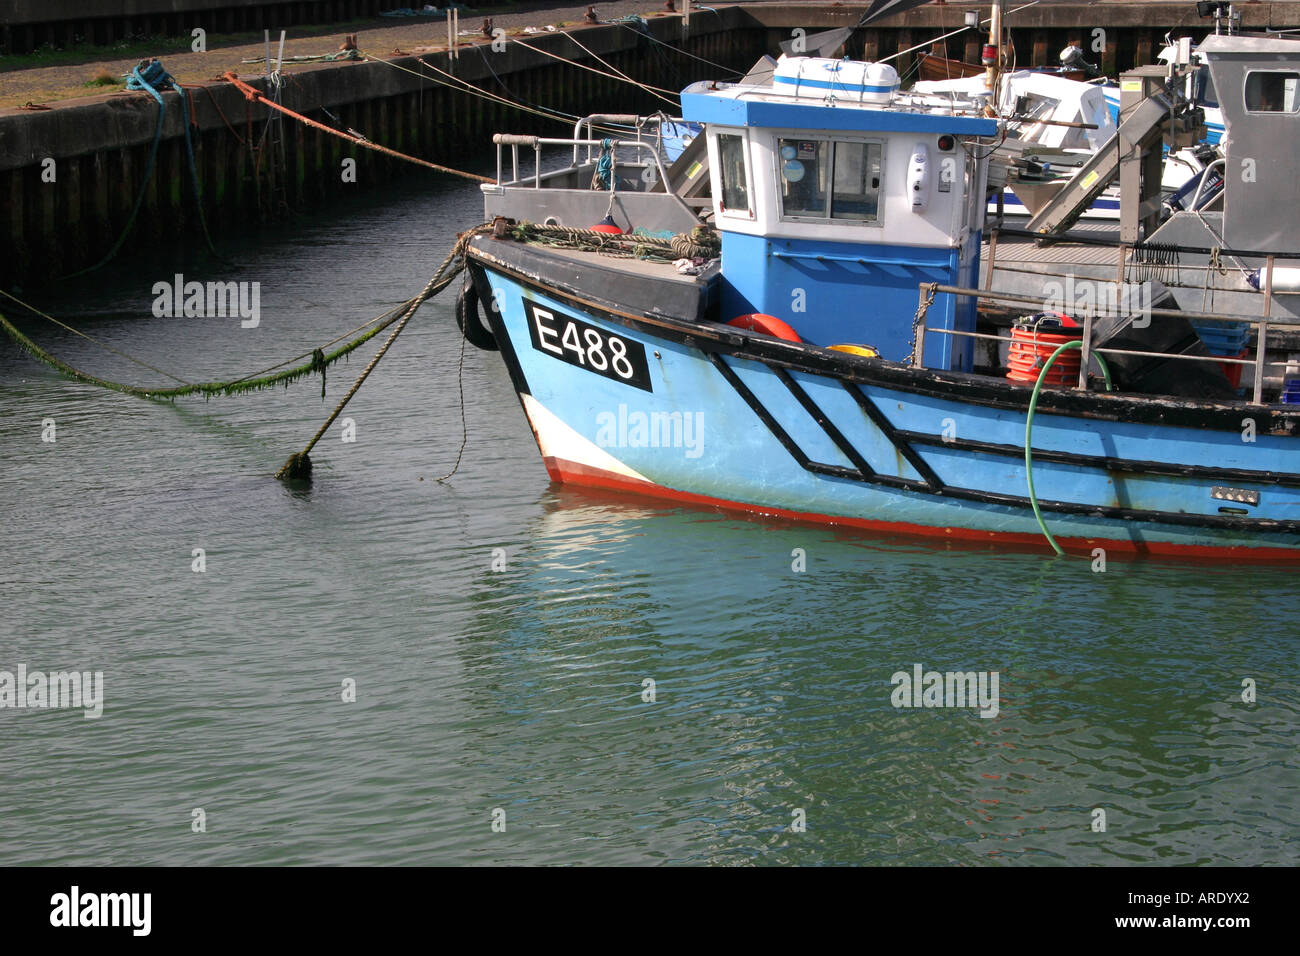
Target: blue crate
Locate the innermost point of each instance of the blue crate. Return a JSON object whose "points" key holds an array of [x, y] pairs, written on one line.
{"points": [[1223, 338]]}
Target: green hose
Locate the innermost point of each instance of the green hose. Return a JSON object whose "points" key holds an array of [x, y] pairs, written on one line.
{"points": [[1029, 427]]}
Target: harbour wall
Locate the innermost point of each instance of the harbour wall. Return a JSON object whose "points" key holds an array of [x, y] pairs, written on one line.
{"points": [[1138, 27], [27, 25], [70, 176]]}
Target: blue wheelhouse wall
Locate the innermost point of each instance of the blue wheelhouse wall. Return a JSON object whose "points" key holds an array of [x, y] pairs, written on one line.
{"points": [[857, 292], [850, 292]]}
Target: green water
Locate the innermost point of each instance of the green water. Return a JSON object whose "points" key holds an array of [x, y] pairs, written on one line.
{"points": [[522, 689]]}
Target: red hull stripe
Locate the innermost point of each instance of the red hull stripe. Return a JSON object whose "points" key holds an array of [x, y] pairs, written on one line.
{"points": [[569, 472]]}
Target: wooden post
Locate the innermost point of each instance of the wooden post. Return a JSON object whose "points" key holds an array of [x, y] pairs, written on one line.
{"points": [[871, 45], [69, 210], [99, 226]]}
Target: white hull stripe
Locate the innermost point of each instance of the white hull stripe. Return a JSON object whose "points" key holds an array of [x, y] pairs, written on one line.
{"points": [[558, 440]]}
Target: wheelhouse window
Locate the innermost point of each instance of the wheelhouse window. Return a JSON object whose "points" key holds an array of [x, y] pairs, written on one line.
{"points": [[734, 181], [1272, 92], [1207, 95], [829, 179], [856, 193], [804, 179]]}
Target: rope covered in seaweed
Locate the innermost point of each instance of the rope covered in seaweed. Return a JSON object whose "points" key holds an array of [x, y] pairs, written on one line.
{"points": [[298, 465], [318, 360]]}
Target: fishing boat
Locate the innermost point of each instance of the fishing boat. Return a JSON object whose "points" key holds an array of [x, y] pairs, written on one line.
{"points": [[935, 67], [1054, 124], [799, 338], [1058, 117]]}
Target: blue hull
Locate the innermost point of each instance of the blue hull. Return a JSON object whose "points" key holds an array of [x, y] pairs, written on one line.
{"points": [[708, 414]]}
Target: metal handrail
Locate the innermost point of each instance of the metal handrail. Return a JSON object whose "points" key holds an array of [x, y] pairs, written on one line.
{"points": [[1027, 300], [929, 289], [612, 119], [1101, 351], [514, 141], [615, 119]]}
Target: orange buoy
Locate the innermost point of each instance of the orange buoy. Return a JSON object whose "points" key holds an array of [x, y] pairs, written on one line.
{"points": [[767, 324], [607, 226], [1031, 347]]}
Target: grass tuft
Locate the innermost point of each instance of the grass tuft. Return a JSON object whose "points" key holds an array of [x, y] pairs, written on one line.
{"points": [[104, 78]]}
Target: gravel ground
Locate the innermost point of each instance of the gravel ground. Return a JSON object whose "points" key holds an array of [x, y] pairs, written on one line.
{"points": [[49, 85], [70, 72]]}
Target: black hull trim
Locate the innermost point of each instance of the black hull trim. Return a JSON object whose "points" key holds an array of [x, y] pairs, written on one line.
{"points": [[862, 471]]}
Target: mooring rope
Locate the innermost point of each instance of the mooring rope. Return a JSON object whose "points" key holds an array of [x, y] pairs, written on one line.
{"points": [[320, 360], [187, 118], [643, 29], [144, 183], [652, 90], [252, 94], [657, 91], [308, 58], [469, 89], [89, 338], [151, 80], [460, 388], [317, 359], [464, 86], [298, 465]]}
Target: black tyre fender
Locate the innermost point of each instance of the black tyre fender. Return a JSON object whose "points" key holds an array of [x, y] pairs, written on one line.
{"points": [[470, 319]]}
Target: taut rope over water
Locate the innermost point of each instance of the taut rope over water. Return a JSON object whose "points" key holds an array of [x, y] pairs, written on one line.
{"points": [[318, 360], [251, 94], [298, 465]]}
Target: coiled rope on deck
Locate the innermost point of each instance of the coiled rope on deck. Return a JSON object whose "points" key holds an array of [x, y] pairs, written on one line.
{"points": [[700, 243]]}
